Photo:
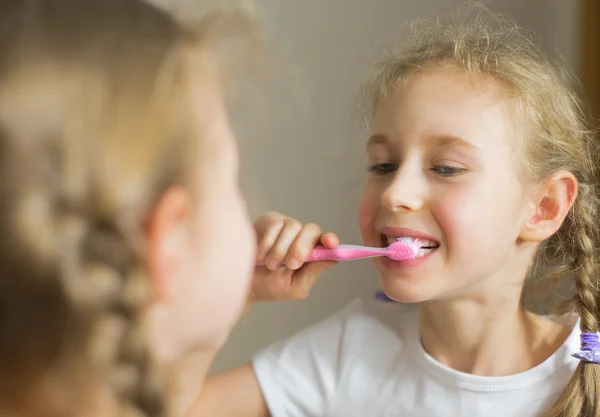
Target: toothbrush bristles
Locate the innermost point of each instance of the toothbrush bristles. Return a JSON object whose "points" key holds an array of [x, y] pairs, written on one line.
{"points": [[414, 241]]}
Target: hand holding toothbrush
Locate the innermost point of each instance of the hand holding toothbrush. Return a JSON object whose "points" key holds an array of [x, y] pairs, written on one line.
{"points": [[289, 260], [283, 246]]}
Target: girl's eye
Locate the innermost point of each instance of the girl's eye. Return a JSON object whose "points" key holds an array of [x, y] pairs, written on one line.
{"points": [[383, 169], [448, 170]]}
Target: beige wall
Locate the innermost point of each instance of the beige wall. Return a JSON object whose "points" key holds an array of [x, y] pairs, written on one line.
{"points": [[303, 150], [556, 22]]}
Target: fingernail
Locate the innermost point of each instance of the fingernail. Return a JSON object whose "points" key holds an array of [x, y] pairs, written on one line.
{"points": [[293, 264], [272, 264]]}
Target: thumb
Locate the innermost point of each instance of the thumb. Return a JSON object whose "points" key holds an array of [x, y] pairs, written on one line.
{"points": [[307, 276], [330, 240]]}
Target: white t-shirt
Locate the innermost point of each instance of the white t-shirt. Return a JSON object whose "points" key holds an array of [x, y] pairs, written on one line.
{"points": [[367, 361]]}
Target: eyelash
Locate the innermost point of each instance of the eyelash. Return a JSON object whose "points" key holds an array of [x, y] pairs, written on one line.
{"points": [[388, 168], [454, 171], [383, 169]]}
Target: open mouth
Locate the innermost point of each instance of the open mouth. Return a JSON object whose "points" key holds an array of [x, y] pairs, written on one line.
{"points": [[426, 246]]}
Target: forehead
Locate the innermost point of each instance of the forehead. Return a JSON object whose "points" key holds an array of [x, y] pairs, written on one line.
{"points": [[445, 102]]}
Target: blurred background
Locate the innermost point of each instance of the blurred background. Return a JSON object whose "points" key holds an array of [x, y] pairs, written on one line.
{"points": [[302, 146]]}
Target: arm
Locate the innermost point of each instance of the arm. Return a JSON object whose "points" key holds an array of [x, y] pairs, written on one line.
{"points": [[298, 376], [234, 393]]}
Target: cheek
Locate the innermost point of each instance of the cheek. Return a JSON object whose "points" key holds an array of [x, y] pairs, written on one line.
{"points": [[480, 217], [227, 238], [367, 210], [247, 244], [457, 217], [220, 261]]}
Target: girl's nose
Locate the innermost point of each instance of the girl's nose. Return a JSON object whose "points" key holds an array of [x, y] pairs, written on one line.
{"points": [[405, 192]]}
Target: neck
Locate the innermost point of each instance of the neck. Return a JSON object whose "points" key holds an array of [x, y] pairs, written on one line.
{"points": [[488, 333], [185, 380], [465, 338]]}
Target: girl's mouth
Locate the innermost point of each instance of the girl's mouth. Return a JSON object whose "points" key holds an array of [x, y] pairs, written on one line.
{"points": [[426, 246]]}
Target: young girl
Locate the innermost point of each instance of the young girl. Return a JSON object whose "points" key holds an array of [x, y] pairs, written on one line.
{"points": [[119, 196], [480, 150]]}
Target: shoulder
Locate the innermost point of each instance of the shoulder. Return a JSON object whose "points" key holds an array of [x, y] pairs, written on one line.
{"points": [[356, 330], [305, 371], [362, 319]]}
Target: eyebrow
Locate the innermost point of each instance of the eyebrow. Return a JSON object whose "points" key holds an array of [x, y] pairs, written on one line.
{"points": [[451, 140], [377, 140], [441, 141]]}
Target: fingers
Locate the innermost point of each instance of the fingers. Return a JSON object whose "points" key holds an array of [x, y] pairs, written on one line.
{"points": [[304, 282], [268, 227], [285, 241], [330, 240], [281, 247], [303, 245], [287, 284]]}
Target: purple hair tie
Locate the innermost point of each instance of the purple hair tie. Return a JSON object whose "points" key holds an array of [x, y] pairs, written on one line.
{"points": [[381, 296], [590, 348]]}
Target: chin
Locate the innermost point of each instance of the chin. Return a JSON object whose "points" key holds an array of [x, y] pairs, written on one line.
{"points": [[407, 288], [405, 294], [410, 282]]}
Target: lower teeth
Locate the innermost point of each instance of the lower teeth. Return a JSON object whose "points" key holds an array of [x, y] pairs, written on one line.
{"points": [[423, 251]]}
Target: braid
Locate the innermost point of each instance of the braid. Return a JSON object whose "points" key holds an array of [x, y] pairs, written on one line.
{"points": [[104, 283], [82, 312], [585, 252], [581, 397]]}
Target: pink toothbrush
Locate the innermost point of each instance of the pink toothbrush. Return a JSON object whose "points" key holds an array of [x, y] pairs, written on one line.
{"points": [[401, 250]]}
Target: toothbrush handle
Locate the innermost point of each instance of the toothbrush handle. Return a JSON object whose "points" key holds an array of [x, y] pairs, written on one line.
{"points": [[341, 253], [344, 253]]}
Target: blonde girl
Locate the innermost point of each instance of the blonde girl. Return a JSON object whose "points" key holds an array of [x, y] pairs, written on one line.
{"points": [[481, 150]]}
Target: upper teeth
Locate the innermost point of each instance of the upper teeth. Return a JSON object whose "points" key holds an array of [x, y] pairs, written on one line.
{"points": [[421, 242]]}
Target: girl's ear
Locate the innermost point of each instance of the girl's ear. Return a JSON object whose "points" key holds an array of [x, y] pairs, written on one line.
{"points": [[165, 234], [554, 199]]}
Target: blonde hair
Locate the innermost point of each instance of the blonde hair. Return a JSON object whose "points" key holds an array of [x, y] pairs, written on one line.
{"points": [[93, 128], [555, 136]]}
